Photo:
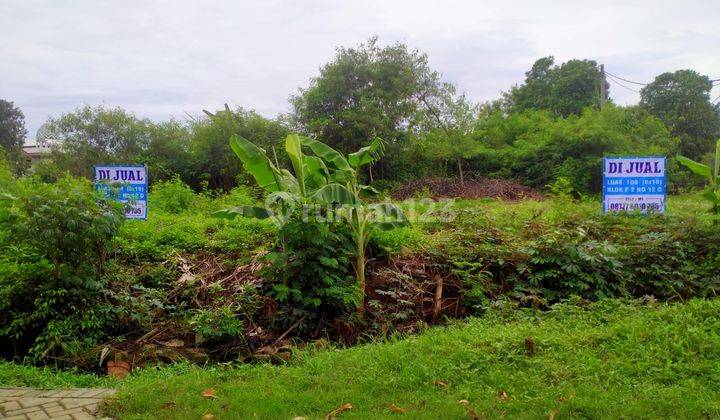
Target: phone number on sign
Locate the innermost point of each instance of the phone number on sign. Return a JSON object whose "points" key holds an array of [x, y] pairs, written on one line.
{"points": [[133, 211], [634, 206]]}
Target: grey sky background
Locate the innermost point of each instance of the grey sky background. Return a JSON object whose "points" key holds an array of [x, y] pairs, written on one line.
{"points": [[163, 59]]}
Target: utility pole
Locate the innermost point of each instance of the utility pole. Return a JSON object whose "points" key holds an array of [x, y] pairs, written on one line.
{"points": [[603, 86]]}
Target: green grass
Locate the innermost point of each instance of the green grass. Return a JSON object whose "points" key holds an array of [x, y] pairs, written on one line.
{"points": [[513, 216], [12, 375], [166, 234], [608, 359]]}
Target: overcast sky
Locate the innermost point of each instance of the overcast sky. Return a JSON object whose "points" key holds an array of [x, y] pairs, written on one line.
{"points": [[160, 59]]}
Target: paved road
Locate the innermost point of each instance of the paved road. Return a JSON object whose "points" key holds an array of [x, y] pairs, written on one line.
{"points": [[65, 404]]}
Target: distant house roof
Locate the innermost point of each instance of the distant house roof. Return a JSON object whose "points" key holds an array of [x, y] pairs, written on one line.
{"points": [[37, 149]]}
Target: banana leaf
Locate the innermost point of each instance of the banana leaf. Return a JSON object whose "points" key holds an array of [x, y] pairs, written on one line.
{"points": [[316, 170], [341, 177], [288, 181], [245, 211], [294, 151], [256, 162], [327, 153], [367, 154], [284, 198], [334, 194], [711, 195], [697, 168], [368, 191]]}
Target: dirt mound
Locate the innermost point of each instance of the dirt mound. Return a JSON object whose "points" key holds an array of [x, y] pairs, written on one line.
{"points": [[472, 188]]}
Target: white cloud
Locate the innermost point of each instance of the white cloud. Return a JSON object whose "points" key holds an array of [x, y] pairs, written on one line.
{"points": [[165, 58]]}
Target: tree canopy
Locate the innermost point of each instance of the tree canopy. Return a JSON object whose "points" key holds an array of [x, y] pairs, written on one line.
{"points": [[209, 145], [196, 151], [12, 132], [681, 99], [93, 135], [547, 128], [537, 148], [371, 91], [448, 137], [564, 90]]}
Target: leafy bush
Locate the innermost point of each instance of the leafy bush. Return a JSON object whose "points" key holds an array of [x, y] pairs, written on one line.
{"points": [[538, 261], [241, 195], [310, 268], [562, 188], [67, 224], [217, 324], [51, 267], [243, 235], [172, 196], [163, 235], [537, 148], [400, 240]]}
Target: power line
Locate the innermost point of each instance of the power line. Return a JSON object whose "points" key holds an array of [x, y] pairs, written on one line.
{"points": [[617, 79], [625, 80], [714, 81], [620, 84]]}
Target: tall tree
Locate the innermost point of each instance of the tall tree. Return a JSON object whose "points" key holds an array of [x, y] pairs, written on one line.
{"points": [[209, 145], [12, 132], [95, 135], [366, 92], [682, 101], [449, 134], [168, 152], [564, 90]]}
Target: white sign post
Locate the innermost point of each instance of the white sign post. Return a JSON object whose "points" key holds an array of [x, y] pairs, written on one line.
{"points": [[634, 184], [127, 184]]}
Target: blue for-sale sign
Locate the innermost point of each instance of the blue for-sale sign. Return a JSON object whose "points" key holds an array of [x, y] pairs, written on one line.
{"points": [[634, 183], [127, 184]]}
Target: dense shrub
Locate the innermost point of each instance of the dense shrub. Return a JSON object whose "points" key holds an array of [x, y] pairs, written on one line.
{"points": [[539, 262], [217, 324], [243, 235], [538, 148], [240, 195], [163, 235], [172, 196], [52, 263], [400, 240], [310, 268]]}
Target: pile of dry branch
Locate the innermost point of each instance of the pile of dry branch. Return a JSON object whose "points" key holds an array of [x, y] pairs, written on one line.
{"points": [[471, 188]]}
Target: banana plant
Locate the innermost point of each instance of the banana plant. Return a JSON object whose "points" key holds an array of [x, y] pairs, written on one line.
{"points": [[362, 218], [324, 178], [712, 190]]}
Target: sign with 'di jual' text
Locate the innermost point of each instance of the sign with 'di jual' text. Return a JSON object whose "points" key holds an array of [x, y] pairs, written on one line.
{"points": [[127, 184], [634, 184]]}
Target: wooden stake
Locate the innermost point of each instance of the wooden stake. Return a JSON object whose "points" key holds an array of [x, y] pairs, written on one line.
{"points": [[438, 296]]}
